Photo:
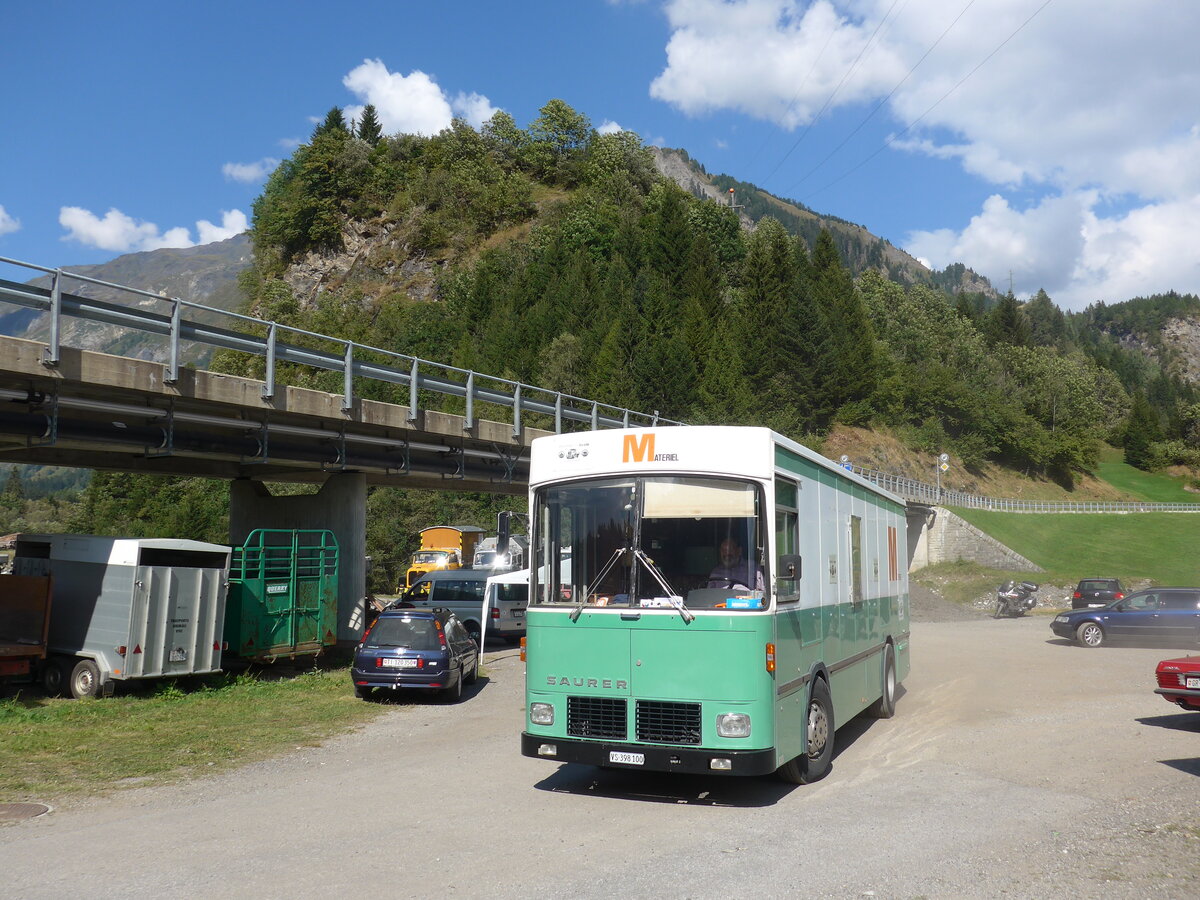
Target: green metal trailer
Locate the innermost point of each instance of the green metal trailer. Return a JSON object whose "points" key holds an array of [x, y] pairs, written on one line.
{"points": [[282, 594]]}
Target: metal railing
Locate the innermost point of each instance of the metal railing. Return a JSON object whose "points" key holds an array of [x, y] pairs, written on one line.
{"points": [[350, 358], [919, 491]]}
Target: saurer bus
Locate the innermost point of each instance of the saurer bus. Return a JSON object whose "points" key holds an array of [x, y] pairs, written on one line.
{"points": [[707, 600]]}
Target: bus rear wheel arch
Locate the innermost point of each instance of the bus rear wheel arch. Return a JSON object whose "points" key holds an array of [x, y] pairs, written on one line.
{"points": [[815, 762]]}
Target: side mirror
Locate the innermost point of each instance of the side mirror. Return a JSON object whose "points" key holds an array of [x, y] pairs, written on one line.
{"points": [[789, 567], [502, 527]]}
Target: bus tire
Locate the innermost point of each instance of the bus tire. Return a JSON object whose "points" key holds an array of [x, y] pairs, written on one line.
{"points": [[814, 763], [885, 706]]}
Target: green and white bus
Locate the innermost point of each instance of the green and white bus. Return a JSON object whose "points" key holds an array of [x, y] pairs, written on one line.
{"points": [[650, 645]]}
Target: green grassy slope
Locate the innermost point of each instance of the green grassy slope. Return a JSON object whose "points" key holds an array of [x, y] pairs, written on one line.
{"points": [[1161, 547], [1143, 485]]}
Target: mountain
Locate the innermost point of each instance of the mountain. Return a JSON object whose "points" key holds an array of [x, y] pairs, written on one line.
{"points": [[206, 274], [1164, 328], [859, 248]]}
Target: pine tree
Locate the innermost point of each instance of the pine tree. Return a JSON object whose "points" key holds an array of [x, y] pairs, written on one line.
{"points": [[855, 369], [663, 367], [334, 124], [369, 128], [1142, 428], [1007, 324], [668, 236]]}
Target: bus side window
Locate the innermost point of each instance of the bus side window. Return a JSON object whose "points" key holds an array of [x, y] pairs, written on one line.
{"points": [[787, 570]]}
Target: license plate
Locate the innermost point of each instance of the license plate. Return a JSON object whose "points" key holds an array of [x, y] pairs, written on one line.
{"points": [[177, 655], [518, 613], [629, 759], [1192, 682], [390, 663]]}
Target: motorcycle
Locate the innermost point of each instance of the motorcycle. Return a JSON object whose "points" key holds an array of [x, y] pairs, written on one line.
{"points": [[1015, 598]]}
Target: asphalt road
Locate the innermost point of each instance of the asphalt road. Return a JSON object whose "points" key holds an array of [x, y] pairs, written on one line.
{"points": [[1016, 766]]}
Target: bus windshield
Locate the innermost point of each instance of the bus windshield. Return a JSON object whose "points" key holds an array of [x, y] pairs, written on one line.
{"points": [[650, 542]]}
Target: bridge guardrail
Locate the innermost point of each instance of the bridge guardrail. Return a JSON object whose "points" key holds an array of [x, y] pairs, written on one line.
{"points": [[919, 491], [406, 371]]}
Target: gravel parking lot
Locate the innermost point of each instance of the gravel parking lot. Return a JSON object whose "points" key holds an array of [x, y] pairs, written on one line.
{"points": [[1017, 766]]}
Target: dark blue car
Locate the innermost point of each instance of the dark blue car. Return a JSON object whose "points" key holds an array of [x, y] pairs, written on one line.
{"points": [[1168, 615], [422, 649]]}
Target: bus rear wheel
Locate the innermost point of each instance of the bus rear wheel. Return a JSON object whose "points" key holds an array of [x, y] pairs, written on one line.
{"points": [[814, 763], [885, 706]]}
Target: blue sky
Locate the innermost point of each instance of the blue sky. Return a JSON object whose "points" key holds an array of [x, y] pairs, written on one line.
{"points": [[1057, 142]]}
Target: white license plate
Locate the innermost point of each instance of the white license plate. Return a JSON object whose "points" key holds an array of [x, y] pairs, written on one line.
{"points": [[1192, 682], [177, 656], [630, 759], [391, 663], [518, 613]]}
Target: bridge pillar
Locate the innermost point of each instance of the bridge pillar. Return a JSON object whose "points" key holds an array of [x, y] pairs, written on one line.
{"points": [[341, 506]]}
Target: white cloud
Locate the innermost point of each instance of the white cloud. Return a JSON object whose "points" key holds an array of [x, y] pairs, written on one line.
{"points": [[233, 223], [1038, 246], [123, 234], [609, 127], [411, 104], [7, 223], [117, 231], [248, 173], [771, 59], [475, 108], [1064, 245]]}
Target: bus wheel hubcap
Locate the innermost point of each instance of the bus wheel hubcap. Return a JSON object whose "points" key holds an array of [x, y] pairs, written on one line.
{"points": [[818, 730]]}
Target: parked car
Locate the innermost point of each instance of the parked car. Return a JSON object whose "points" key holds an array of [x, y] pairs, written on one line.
{"points": [[1179, 681], [1169, 615], [422, 649], [1092, 592]]}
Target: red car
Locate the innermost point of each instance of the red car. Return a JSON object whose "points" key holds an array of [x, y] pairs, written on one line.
{"points": [[1179, 681]]}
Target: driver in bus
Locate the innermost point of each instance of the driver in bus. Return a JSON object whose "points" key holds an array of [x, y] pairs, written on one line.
{"points": [[734, 570]]}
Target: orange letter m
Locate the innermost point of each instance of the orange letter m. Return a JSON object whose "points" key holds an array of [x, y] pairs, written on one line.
{"points": [[638, 449]]}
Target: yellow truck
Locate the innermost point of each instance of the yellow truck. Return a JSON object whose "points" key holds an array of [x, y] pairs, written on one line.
{"points": [[443, 547]]}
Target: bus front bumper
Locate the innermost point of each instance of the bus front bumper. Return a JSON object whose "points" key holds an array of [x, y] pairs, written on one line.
{"points": [[689, 760]]}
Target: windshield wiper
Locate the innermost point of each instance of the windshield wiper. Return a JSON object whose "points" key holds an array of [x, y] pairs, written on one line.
{"points": [[617, 554], [640, 555], [676, 599]]}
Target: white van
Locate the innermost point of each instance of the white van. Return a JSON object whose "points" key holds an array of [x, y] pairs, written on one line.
{"points": [[507, 596]]}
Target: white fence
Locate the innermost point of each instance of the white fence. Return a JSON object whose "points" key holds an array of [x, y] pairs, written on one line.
{"points": [[910, 489]]}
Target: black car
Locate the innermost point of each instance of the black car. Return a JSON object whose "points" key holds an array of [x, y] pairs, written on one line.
{"points": [[1096, 592], [1163, 615], [421, 649]]}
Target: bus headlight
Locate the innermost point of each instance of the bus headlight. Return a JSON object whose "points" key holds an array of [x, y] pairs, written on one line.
{"points": [[541, 713], [733, 725]]}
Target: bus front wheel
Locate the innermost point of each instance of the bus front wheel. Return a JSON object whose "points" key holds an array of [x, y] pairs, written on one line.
{"points": [[814, 763]]}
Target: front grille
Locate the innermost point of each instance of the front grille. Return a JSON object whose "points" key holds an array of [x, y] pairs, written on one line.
{"points": [[597, 717], [668, 723]]}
